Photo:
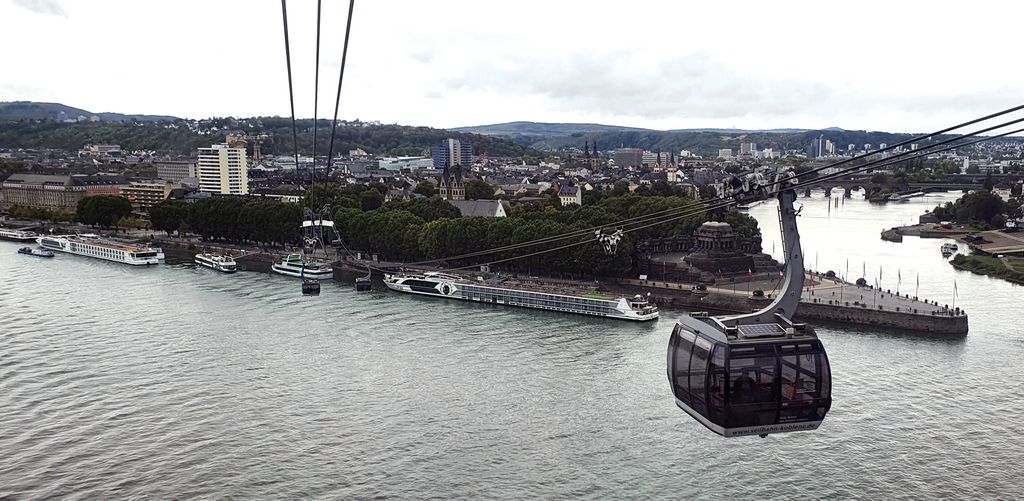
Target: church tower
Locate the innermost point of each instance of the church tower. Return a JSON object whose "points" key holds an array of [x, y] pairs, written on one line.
{"points": [[450, 187], [458, 192]]}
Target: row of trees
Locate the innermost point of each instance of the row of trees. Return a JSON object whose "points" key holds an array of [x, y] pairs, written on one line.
{"points": [[981, 208], [54, 216], [428, 229], [232, 220], [432, 229], [102, 210]]}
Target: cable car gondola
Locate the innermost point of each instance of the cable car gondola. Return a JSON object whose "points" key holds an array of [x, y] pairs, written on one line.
{"points": [[757, 373], [363, 284], [310, 287]]}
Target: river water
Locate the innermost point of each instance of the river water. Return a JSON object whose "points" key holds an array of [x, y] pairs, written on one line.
{"points": [[177, 382]]}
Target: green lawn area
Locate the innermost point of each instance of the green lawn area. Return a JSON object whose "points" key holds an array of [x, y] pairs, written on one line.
{"points": [[1017, 263], [992, 266]]}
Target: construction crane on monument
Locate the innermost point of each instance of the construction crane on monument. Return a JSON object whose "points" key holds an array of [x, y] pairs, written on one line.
{"points": [[761, 372], [257, 142]]}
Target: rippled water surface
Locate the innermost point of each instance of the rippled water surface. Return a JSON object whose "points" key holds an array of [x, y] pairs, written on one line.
{"points": [[176, 382]]}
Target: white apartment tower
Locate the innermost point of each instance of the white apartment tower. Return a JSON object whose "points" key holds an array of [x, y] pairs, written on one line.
{"points": [[223, 169]]}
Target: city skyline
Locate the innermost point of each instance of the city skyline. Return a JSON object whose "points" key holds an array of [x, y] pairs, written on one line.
{"points": [[652, 66]]}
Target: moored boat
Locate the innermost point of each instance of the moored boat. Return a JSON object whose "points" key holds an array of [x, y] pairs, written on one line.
{"points": [[219, 262], [100, 248], [442, 285], [949, 249], [295, 266], [28, 251], [18, 235]]}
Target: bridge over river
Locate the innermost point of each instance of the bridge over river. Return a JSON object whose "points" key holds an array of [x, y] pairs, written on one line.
{"points": [[865, 184]]}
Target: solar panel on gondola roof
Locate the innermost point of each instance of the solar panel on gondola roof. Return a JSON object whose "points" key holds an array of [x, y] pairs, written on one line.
{"points": [[761, 330]]}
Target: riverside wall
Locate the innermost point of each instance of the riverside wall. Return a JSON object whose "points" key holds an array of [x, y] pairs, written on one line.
{"points": [[939, 324]]}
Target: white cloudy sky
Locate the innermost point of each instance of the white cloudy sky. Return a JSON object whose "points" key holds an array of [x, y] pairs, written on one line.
{"points": [[890, 65]]}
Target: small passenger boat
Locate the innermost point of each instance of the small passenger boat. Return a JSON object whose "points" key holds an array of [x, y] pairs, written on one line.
{"points": [[35, 252]]}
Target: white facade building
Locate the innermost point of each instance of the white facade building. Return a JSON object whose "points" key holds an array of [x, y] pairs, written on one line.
{"points": [[570, 195], [399, 163], [223, 169]]}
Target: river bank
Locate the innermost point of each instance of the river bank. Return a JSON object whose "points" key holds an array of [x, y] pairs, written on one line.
{"points": [[925, 230], [825, 299], [1010, 269]]}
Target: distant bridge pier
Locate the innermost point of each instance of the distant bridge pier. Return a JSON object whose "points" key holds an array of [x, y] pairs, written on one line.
{"points": [[807, 192]]}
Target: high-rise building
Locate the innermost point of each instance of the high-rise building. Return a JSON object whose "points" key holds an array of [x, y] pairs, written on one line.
{"points": [[748, 149], [867, 146], [175, 170], [657, 160], [725, 153], [850, 147], [882, 146], [452, 152], [223, 169], [628, 157]]}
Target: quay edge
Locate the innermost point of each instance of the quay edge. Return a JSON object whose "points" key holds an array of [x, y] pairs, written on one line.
{"points": [[938, 324]]}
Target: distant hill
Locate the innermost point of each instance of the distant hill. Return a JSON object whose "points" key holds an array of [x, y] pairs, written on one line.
{"points": [[568, 129], [542, 129], [705, 141], [17, 110], [179, 137]]}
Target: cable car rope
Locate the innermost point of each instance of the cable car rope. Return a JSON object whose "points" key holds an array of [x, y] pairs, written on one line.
{"points": [[718, 202], [291, 94], [316, 107], [341, 76], [714, 202], [724, 203]]}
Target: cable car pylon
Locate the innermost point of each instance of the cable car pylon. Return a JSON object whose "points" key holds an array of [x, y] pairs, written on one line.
{"points": [[756, 373]]}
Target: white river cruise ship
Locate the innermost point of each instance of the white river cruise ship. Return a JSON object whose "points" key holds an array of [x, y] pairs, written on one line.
{"points": [[441, 285], [110, 250], [18, 235]]}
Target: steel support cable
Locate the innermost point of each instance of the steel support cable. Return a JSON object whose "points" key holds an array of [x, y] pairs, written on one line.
{"points": [[710, 202], [911, 140], [878, 163], [341, 76], [291, 94], [574, 233], [914, 153], [316, 107]]}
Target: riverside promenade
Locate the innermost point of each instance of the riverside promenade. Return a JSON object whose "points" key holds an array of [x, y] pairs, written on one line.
{"points": [[823, 299]]}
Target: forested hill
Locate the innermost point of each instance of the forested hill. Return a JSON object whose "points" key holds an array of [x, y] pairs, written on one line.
{"points": [[16, 110], [550, 136], [183, 136]]}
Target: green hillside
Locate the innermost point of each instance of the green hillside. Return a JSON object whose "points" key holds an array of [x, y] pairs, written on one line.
{"points": [[184, 137]]}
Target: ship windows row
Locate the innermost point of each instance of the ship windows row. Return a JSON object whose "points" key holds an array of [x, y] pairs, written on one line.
{"points": [[103, 252], [557, 304], [526, 295]]}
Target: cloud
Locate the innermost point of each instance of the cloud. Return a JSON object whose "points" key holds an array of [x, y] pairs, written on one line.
{"points": [[622, 84], [51, 7], [697, 88]]}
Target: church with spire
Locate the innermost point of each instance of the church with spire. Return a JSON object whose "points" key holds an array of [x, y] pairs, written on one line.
{"points": [[450, 187], [451, 157], [592, 160]]}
